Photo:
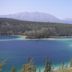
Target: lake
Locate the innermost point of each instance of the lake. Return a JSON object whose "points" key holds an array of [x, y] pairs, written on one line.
{"points": [[16, 51]]}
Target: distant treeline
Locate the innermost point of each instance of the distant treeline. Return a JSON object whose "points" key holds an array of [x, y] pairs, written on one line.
{"points": [[34, 29]]}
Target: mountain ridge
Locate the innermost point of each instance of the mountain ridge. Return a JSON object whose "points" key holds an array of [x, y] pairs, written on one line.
{"points": [[37, 17], [33, 16]]}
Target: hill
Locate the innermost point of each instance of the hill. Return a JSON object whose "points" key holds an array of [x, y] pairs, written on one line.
{"points": [[34, 29], [33, 16]]}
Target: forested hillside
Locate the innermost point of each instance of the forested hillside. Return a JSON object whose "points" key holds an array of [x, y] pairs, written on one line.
{"points": [[34, 29]]}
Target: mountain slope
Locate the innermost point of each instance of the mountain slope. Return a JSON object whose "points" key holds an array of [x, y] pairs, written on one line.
{"points": [[68, 20], [33, 16]]}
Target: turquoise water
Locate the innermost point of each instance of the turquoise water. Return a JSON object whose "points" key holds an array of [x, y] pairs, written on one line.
{"points": [[8, 37], [16, 52]]}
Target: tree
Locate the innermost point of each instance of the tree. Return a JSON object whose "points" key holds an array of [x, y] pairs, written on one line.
{"points": [[47, 65], [71, 63], [13, 69], [29, 67]]}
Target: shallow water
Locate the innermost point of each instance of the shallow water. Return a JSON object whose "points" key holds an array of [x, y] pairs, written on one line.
{"points": [[17, 51]]}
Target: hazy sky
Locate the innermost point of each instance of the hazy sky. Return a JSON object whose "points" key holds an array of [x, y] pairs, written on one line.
{"points": [[59, 8]]}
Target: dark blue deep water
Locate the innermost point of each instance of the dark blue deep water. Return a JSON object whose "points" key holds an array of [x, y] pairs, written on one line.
{"points": [[16, 52]]}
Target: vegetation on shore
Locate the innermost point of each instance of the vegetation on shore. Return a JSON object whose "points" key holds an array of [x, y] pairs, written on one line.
{"points": [[34, 29], [47, 67]]}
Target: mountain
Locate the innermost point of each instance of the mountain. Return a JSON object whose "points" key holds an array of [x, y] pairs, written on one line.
{"points": [[33, 16], [37, 17], [68, 20]]}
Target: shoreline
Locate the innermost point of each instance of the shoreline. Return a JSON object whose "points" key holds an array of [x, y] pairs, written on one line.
{"points": [[24, 38], [21, 37]]}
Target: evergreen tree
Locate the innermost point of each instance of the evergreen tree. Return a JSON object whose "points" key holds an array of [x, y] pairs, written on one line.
{"points": [[47, 65], [13, 69], [71, 63]]}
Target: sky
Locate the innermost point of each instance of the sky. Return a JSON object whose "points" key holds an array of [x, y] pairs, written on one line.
{"points": [[60, 8]]}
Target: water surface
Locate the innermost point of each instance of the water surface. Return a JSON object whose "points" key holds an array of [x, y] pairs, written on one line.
{"points": [[17, 51]]}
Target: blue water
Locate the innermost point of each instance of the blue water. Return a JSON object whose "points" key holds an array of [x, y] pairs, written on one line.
{"points": [[16, 52], [8, 37]]}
